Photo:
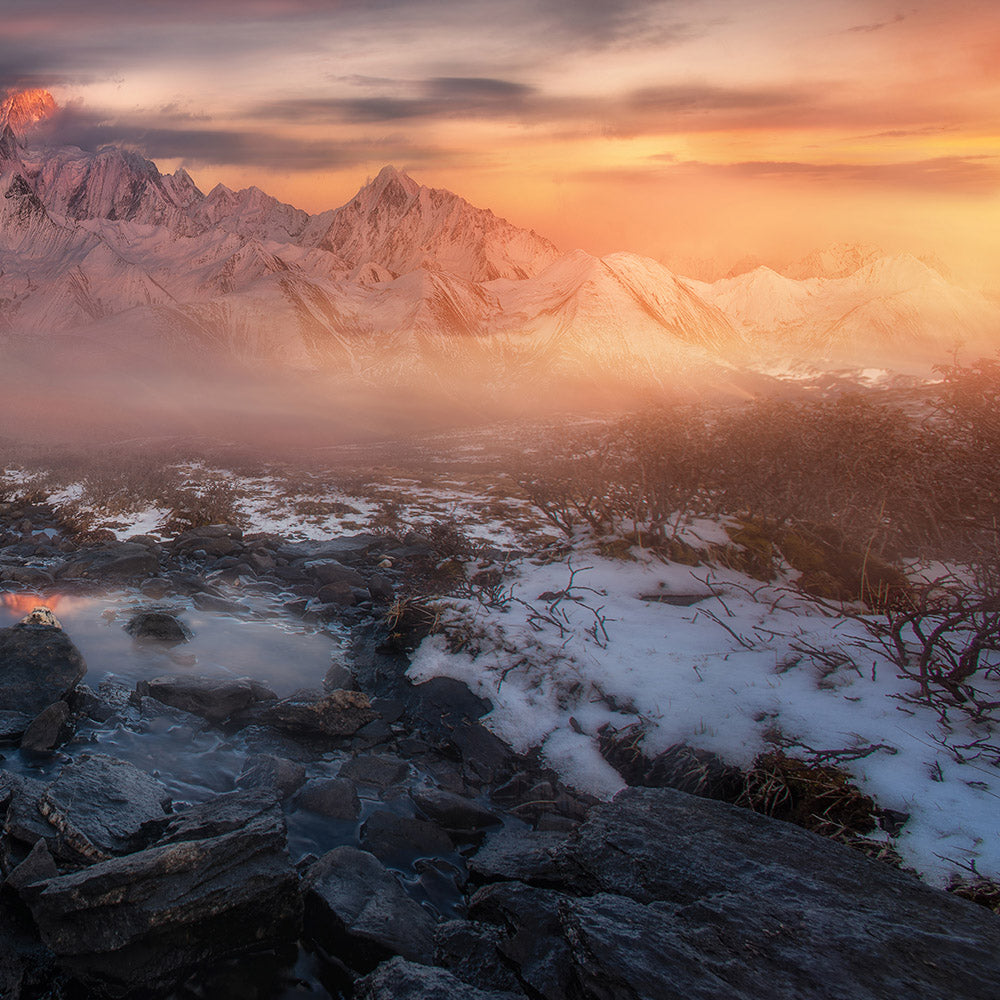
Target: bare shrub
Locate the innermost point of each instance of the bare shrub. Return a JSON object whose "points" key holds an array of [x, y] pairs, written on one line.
{"points": [[215, 501]]}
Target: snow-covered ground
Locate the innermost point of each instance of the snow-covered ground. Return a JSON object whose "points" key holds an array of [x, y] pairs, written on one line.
{"points": [[732, 671], [726, 674]]}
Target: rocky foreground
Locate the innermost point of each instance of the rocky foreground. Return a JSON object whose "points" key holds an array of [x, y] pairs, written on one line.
{"points": [[469, 873]]}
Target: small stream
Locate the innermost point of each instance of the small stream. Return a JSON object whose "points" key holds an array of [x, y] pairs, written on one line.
{"points": [[196, 760]]}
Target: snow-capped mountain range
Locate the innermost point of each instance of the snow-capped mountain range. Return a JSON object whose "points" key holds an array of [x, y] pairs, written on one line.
{"points": [[100, 248]]}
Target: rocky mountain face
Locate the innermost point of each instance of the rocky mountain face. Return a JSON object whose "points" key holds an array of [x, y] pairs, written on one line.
{"points": [[408, 280]]}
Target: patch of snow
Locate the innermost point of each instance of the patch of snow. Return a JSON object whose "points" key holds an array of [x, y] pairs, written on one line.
{"points": [[722, 674]]}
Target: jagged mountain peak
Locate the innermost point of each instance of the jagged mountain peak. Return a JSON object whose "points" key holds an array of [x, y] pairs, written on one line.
{"points": [[403, 225], [24, 109]]}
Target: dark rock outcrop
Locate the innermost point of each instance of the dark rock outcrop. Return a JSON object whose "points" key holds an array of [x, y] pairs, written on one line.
{"points": [[402, 980], [661, 895], [336, 713], [139, 924]]}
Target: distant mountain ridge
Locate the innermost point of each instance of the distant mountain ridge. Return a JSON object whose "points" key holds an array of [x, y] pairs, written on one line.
{"points": [[405, 281]]}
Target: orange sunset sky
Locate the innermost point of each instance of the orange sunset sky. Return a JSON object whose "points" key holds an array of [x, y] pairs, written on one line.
{"points": [[676, 128]]}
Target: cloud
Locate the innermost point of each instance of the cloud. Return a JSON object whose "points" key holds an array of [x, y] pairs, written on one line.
{"points": [[952, 174], [438, 97], [76, 126], [867, 29]]}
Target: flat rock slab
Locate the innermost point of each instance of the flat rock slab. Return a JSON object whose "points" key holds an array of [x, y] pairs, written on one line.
{"points": [[513, 854], [356, 909], [337, 713], [213, 698], [402, 980], [662, 895], [221, 814], [39, 666], [103, 806], [143, 922]]}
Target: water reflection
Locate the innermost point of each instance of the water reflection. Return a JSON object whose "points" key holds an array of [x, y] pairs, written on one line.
{"points": [[266, 643]]}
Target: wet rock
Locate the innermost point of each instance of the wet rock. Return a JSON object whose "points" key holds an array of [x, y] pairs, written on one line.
{"points": [[329, 571], [103, 806], [665, 895], [13, 725], [336, 798], [358, 912], [336, 713], [219, 815], [339, 678], [158, 626], [48, 729], [141, 923], [275, 774], [382, 771], [563, 946], [39, 665], [213, 698], [87, 702], [402, 980], [38, 865], [470, 950], [550, 822], [219, 605], [513, 854], [455, 813], [23, 820], [396, 839]]}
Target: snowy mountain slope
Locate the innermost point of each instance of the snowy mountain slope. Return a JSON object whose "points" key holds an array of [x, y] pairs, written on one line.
{"points": [[891, 308], [403, 226], [406, 280]]}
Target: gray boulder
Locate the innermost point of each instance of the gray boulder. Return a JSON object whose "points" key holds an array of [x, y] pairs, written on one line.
{"points": [[158, 626], [455, 813], [39, 665], [336, 798], [358, 912], [398, 840], [281, 777], [49, 728]]}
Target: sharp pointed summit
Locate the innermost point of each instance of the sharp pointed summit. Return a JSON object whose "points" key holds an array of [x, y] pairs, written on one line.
{"points": [[22, 110], [402, 225]]}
